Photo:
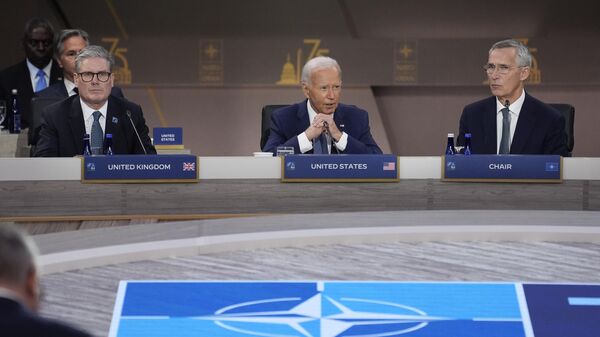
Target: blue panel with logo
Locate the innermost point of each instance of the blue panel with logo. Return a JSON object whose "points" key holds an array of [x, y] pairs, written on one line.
{"points": [[133, 168], [339, 168], [351, 309], [167, 136], [532, 168]]}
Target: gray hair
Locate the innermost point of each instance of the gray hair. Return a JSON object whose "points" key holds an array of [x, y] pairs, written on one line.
{"points": [[17, 254], [66, 34], [523, 54], [93, 51], [318, 63]]}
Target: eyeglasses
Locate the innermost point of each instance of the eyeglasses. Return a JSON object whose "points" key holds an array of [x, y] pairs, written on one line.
{"points": [[503, 69], [87, 76]]}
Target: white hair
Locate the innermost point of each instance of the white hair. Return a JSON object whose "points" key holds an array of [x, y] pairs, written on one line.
{"points": [[318, 63]]}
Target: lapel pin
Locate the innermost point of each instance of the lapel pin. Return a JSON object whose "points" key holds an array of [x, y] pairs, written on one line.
{"points": [[115, 120]]}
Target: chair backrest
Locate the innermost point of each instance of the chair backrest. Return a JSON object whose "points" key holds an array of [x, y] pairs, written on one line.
{"points": [[568, 111], [38, 104], [265, 130]]}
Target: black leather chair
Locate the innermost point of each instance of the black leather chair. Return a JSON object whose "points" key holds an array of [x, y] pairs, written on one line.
{"points": [[38, 104], [568, 111], [265, 130]]}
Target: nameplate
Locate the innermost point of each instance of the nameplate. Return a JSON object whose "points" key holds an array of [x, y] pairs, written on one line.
{"points": [[139, 169], [168, 138], [351, 168], [503, 168]]}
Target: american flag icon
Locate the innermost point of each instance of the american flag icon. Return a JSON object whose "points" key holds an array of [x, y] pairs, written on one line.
{"points": [[389, 166], [189, 166]]}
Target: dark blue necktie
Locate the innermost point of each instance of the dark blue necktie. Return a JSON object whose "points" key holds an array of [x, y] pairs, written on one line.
{"points": [[320, 145], [505, 141], [41, 83], [97, 134]]}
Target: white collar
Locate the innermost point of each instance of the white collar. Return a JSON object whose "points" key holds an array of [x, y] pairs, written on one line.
{"points": [[33, 70], [69, 86], [515, 107], [87, 111]]}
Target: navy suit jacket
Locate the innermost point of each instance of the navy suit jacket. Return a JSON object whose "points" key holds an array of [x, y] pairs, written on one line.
{"points": [[18, 77], [58, 89], [17, 321], [540, 128], [63, 128], [287, 123]]}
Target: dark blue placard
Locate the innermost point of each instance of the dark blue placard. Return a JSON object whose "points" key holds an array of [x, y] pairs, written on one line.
{"points": [[140, 168], [168, 136], [503, 167], [558, 310], [340, 167]]}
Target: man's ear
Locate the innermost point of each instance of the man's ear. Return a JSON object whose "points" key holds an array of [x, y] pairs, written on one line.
{"points": [[524, 73], [32, 290]]}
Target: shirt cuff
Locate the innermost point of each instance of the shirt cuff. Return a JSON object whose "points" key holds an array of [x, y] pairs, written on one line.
{"points": [[304, 143], [343, 142]]}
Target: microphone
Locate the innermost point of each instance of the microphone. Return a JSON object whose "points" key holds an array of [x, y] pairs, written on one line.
{"points": [[128, 113]]}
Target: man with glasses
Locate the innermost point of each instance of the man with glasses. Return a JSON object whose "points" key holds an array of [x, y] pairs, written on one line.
{"points": [[512, 121], [36, 72], [95, 112]]}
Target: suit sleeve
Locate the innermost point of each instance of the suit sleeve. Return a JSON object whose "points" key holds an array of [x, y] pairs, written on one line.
{"points": [[278, 138], [362, 142]]}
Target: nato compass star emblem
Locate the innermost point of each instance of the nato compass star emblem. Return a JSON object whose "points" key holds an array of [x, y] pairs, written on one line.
{"points": [[308, 318]]}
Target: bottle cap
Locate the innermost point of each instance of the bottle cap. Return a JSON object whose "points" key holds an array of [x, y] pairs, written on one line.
{"points": [[451, 135], [14, 91], [109, 135], [467, 135]]}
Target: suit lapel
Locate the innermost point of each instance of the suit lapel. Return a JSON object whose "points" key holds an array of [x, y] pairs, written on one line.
{"points": [[525, 125], [302, 115], [489, 124], [77, 124]]}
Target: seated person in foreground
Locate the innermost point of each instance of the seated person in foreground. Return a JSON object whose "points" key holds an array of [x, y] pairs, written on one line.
{"points": [[320, 124], [512, 121], [95, 112]]}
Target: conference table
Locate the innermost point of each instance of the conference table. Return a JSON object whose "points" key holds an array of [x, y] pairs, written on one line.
{"points": [[50, 189]]}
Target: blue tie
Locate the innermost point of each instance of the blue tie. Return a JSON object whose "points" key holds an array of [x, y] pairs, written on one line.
{"points": [[41, 83], [320, 145], [97, 134], [504, 141]]}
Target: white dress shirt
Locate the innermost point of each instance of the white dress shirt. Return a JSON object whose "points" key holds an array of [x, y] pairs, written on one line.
{"points": [[514, 111], [33, 70], [306, 145], [69, 86], [88, 117]]}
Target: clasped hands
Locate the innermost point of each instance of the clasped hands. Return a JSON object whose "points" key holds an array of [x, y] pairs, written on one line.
{"points": [[323, 123]]}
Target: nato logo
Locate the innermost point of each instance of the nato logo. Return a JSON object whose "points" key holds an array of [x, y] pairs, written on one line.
{"points": [[317, 309], [552, 167], [451, 166], [290, 165], [91, 167]]}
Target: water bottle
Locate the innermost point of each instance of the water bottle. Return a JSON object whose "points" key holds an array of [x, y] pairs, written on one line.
{"points": [[108, 145], [450, 149], [467, 150], [87, 149], [16, 115]]}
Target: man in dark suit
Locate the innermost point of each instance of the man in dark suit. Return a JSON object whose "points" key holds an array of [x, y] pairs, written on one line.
{"points": [[320, 124], [19, 290], [34, 73], [95, 112], [512, 121]]}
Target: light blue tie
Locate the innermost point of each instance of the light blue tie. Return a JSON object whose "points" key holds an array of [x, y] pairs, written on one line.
{"points": [[41, 83], [97, 134], [320, 145]]}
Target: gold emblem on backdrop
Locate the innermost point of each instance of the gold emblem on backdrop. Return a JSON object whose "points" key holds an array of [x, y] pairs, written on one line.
{"points": [[211, 69], [406, 62], [290, 74], [121, 69]]}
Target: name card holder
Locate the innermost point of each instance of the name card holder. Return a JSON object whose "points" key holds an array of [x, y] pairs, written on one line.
{"points": [[168, 138], [502, 168], [140, 169], [339, 168]]}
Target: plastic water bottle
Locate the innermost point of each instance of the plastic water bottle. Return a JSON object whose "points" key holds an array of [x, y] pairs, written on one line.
{"points": [[467, 144], [108, 145], [450, 149], [16, 115], [87, 149]]}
